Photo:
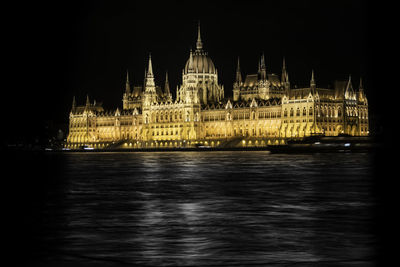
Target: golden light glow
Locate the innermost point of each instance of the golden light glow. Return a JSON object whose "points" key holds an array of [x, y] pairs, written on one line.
{"points": [[264, 110]]}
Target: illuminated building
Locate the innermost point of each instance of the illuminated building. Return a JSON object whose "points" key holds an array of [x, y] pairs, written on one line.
{"points": [[264, 110]]}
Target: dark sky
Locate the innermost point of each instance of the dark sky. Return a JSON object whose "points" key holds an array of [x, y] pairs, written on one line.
{"points": [[64, 48]]}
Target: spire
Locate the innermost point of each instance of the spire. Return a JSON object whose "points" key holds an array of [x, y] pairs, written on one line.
{"points": [[166, 87], [263, 69], [190, 68], [150, 67], [312, 82], [73, 103], [199, 44], [361, 88], [127, 84], [149, 77], [87, 101], [238, 74], [312, 77], [262, 61], [349, 93], [284, 74]]}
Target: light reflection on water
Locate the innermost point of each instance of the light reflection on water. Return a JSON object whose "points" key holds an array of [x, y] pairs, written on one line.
{"points": [[214, 208]]}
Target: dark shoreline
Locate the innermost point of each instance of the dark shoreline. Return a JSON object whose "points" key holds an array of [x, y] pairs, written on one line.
{"points": [[272, 149]]}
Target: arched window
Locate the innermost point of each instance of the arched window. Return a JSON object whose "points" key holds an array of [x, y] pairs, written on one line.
{"points": [[285, 113], [298, 112], [187, 116], [291, 112], [304, 111]]}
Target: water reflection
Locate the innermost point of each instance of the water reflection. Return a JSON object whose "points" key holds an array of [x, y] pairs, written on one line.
{"points": [[218, 208]]}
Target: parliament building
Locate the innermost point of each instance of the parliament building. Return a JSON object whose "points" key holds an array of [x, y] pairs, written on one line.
{"points": [[264, 110]]}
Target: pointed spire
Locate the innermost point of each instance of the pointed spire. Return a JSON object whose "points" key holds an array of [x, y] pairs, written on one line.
{"points": [[262, 61], [199, 44], [361, 88], [166, 87], [150, 67], [349, 93], [349, 85], [149, 78], [87, 101], [263, 69], [127, 84], [238, 73], [312, 77], [284, 74], [73, 103], [190, 67], [312, 82]]}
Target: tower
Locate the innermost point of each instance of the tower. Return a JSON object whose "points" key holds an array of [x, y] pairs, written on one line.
{"points": [[127, 84], [125, 98], [73, 104], [238, 82], [285, 78], [263, 83], [263, 68], [349, 92], [199, 44], [312, 83], [150, 95], [87, 101], [167, 93]]}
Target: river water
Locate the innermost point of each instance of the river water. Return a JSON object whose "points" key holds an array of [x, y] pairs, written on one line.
{"points": [[248, 208]]}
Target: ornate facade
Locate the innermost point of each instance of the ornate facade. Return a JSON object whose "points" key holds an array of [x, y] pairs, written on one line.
{"points": [[264, 110]]}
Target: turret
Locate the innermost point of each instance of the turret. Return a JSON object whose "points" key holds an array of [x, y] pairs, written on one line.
{"points": [[237, 83], [199, 44], [285, 77], [150, 95], [349, 92], [87, 101], [150, 85], [263, 69], [167, 92], [238, 79], [127, 84], [73, 104], [190, 67], [361, 94], [312, 83]]}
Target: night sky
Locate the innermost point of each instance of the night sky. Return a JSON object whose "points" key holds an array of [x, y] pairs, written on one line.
{"points": [[63, 49]]}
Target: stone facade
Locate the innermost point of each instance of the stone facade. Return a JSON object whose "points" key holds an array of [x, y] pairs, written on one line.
{"points": [[264, 110]]}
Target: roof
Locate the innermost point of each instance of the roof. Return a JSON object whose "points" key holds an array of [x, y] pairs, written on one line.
{"points": [[251, 80]]}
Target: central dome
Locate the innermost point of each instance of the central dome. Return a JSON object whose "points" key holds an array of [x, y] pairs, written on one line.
{"points": [[202, 63]]}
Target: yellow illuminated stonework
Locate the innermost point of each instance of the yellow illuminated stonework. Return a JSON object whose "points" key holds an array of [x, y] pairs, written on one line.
{"points": [[265, 110]]}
